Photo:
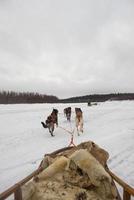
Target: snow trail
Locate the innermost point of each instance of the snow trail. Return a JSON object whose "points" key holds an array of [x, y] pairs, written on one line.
{"points": [[23, 141]]}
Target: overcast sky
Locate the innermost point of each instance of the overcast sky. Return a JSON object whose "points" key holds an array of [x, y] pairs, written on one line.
{"points": [[67, 47]]}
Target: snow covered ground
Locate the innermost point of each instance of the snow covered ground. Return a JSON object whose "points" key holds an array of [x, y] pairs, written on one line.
{"points": [[23, 141]]}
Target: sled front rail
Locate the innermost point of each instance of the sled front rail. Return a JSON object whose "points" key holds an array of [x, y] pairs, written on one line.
{"points": [[128, 191], [16, 189]]}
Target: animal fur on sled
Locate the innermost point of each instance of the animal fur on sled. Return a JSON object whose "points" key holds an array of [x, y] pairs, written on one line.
{"points": [[72, 175]]}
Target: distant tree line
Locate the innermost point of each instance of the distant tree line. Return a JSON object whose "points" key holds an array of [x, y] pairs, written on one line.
{"points": [[99, 98], [10, 97]]}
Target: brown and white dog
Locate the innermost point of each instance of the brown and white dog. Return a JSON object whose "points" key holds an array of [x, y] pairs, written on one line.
{"points": [[79, 120], [51, 120], [67, 113]]}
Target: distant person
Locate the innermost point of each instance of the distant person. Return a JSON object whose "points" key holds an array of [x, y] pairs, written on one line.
{"points": [[79, 120], [89, 103]]}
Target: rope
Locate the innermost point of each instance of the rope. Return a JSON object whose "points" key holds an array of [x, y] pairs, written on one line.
{"points": [[70, 132], [70, 125], [72, 141], [72, 136]]}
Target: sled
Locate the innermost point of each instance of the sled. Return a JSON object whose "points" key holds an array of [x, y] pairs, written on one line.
{"points": [[16, 190]]}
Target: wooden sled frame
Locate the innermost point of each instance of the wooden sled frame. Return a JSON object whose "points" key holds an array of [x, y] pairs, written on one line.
{"points": [[15, 190]]}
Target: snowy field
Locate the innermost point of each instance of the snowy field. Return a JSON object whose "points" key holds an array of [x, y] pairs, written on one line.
{"points": [[23, 141]]}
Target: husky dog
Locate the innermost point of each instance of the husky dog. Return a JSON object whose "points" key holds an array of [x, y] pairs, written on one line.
{"points": [[79, 120], [51, 120], [67, 113]]}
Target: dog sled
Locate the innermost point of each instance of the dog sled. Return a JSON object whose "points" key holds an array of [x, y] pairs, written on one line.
{"points": [[72, 173]]}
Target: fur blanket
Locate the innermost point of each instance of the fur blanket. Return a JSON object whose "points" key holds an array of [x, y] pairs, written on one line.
{"points": [[75, 174]]}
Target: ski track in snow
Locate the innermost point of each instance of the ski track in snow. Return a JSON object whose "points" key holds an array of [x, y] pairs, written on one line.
{"points": [[23, 141]]}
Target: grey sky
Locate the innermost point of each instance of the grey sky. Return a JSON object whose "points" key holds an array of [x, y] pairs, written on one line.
{"points": [[67, 47]]}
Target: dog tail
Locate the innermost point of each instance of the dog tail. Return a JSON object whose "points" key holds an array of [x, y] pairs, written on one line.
{"points": [[44, 125]]}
